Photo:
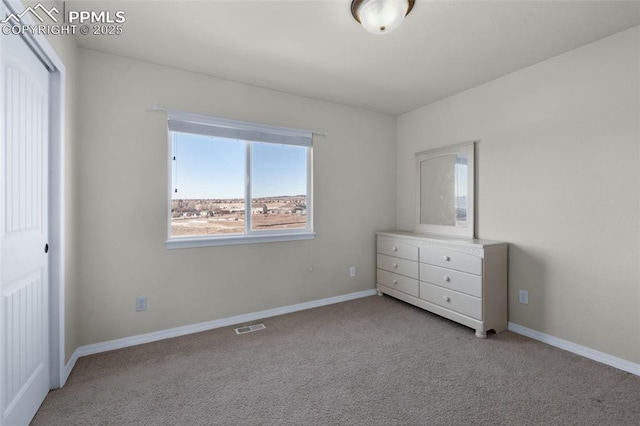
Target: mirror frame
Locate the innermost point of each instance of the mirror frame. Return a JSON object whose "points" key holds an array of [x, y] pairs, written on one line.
{"points": [[467, 231]]}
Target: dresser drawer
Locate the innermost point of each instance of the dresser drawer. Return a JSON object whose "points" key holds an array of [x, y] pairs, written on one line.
{"points": [[398, 282], [398, 266], [458, 302], [397, 249], [451, 259], [454, 280]]}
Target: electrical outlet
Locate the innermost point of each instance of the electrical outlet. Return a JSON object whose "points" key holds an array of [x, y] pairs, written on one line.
{"points": [[141, 304], [352, 271], [524, 297]]}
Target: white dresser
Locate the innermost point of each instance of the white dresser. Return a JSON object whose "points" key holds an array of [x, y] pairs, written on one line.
{"points": [[462, 280]]}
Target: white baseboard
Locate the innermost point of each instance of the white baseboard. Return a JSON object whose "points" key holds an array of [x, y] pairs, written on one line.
{"points": [[604, 358], [203, 326], [69, 366]]}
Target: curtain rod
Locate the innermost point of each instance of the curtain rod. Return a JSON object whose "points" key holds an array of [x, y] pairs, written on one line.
{"points": [[163, 109]]}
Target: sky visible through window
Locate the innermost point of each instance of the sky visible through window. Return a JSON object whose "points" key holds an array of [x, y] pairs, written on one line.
{"points": [[213, 168]]}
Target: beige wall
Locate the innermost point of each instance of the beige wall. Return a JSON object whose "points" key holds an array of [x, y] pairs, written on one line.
{"points": [[122, 210], [558, 178]]}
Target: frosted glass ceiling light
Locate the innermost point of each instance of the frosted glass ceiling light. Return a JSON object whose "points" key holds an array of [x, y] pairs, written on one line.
{"points": [[380, 16]]}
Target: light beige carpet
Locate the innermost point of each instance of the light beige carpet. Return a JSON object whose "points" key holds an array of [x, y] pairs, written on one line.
{"points": [[372, 361]]}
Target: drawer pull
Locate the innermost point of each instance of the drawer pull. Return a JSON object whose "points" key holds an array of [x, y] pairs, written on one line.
{"points": [[446, 278], [446, 258], [395, 282], [446, 298], [394, 248], [395, 265]]}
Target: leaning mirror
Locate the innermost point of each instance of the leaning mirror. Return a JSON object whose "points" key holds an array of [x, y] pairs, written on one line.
{"points": [[445, 191]]}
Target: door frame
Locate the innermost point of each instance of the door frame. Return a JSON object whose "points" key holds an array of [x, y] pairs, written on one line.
{"points": [[45, 52]]}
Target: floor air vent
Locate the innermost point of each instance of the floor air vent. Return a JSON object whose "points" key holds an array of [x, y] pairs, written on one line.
{"points": [[250, 328]]}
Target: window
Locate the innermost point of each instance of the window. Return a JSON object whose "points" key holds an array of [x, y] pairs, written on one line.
{"points": [[233, 182]]}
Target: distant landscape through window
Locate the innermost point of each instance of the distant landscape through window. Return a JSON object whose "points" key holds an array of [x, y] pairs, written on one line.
{"points": [[216, 181]]}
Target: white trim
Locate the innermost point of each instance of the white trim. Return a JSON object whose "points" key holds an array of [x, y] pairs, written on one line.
{"points": [[48, 55], [604, 358], [208, 241], [204, 326], [56, 218], [69, 367]]}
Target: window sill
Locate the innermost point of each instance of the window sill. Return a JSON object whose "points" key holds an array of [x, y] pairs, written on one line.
{"points": [[192, 242]]}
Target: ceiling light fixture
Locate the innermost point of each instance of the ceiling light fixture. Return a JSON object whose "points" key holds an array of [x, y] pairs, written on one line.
{"points": [[380, 16]]}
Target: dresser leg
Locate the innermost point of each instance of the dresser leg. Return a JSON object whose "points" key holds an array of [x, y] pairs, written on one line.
{"points": [[380, 293], [481, 334]]}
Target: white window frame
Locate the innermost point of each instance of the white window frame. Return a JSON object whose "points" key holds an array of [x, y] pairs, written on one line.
{"points": [[184, 122]]}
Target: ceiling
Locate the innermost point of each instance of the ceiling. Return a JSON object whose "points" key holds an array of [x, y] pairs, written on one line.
{"points": [[316, 49]]}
